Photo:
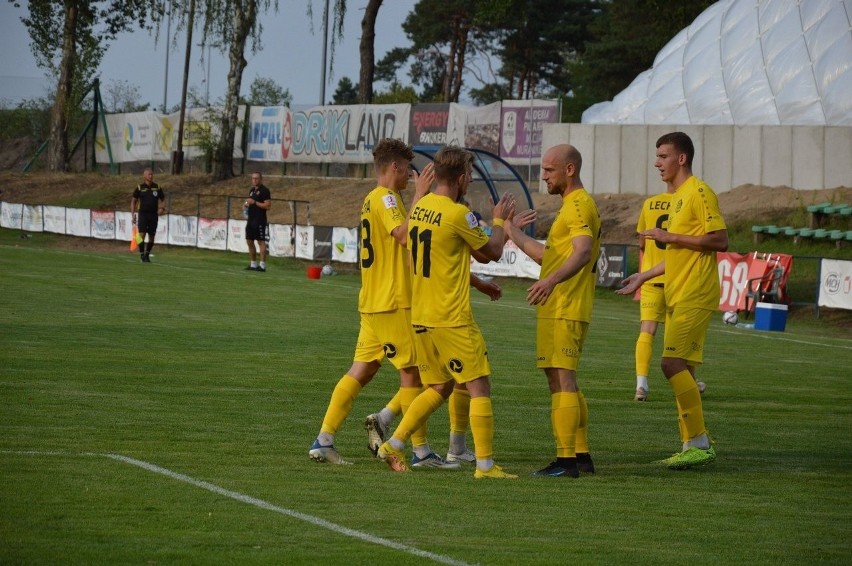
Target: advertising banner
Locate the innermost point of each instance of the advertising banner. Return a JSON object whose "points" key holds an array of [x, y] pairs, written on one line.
{"points": [[733, 273], [428, 124], [344, 247], [212, 234], [78, 222], [521, 127], [305, 242], [149, 136], [10, 215], [183, 230], [513, 263], [123, 226], [475, 127], [341, 133], [103, 224], [835, 286], [237, 236], [32, 218], [612, 265], [54, 219], [265, 132], [281, 240]]}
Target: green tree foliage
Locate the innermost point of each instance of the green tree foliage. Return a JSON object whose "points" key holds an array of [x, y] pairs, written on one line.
{"points": [[68, 39], [443, 34], [346, 92], [265, 91], [626, 36], [397, 94], [122, 96]]}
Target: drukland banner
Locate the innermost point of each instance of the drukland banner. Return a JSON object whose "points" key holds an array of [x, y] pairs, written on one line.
{"points": [[32, 219], [183, 230], [54, 219], [103, 224], [521, 127], [475, 127], [322, 134], [835, 285], [612, 265], [213, 233], [150, 136], [10, 215], [428, 124], [265, 132], [344, 245]]}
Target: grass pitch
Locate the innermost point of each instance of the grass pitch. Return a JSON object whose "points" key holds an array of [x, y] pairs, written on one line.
{"points": [[162, 414]]}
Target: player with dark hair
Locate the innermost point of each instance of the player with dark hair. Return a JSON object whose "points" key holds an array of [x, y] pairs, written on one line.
{"points": [[256, 206], [563, 297], [146, 206], [443, 234], [696, 232], [384, 302]]}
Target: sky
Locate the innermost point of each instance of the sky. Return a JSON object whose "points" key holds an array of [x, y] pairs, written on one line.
{"points": [[291, 55]]}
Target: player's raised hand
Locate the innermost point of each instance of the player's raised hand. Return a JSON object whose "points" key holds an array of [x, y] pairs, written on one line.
{"points": [[523, 219], [423, 181], [505, 207]]}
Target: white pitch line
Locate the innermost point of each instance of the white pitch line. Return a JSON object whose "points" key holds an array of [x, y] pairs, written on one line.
{"points": [[260, 503]]}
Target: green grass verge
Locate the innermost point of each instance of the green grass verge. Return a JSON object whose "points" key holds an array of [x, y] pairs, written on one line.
{"points": [[198, 367]]}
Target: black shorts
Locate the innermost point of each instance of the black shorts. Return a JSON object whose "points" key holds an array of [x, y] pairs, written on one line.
{"points": [[146, 222], [257, 232]]}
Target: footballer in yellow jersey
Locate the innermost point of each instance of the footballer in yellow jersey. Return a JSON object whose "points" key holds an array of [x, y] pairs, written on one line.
{"points": [[563, 297], [696, 232], [384, 301], [443, 233]]}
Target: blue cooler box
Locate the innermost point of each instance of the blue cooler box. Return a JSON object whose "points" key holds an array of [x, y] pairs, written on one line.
{"points": [[769, 316]]}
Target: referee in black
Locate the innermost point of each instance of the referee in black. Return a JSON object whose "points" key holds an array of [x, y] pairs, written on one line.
{"points": [[146, 207]]}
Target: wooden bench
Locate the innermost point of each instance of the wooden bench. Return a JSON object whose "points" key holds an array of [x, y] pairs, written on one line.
{"points": [[819, 212]]}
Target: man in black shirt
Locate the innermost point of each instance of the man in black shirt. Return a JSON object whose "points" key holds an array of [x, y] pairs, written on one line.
{"points": [[146, 206], [257, 227]]}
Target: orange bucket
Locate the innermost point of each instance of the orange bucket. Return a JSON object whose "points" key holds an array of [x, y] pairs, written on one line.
{"points": [[314, 272]]}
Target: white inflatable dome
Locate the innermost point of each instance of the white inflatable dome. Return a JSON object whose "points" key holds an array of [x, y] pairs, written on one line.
{"points": [[747, 62]]}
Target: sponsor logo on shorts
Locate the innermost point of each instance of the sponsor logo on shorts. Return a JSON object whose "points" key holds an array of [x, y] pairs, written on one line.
{"points": [[390, 350], [456, 365]]}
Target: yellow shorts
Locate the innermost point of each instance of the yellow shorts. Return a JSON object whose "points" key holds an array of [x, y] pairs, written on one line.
{"points": [[652, 303], [686, 329], [559, 342], [456, 353], [386, 334]]}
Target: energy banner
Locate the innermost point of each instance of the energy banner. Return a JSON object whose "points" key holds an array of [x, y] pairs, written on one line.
{"points": [[428, 124]]}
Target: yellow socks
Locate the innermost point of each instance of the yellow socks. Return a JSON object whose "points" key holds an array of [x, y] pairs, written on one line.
{"points": [[407, 395], [424, 405], [688, 402], [482, 427], [344, 394], [565, 418], [583, 425], [644, 351], [459, 409]]}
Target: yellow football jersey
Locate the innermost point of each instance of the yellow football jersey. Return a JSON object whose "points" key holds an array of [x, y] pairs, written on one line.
{"points": [[692, 278], [654, 214], [385, 283], [441, 234], [572, 299]]}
